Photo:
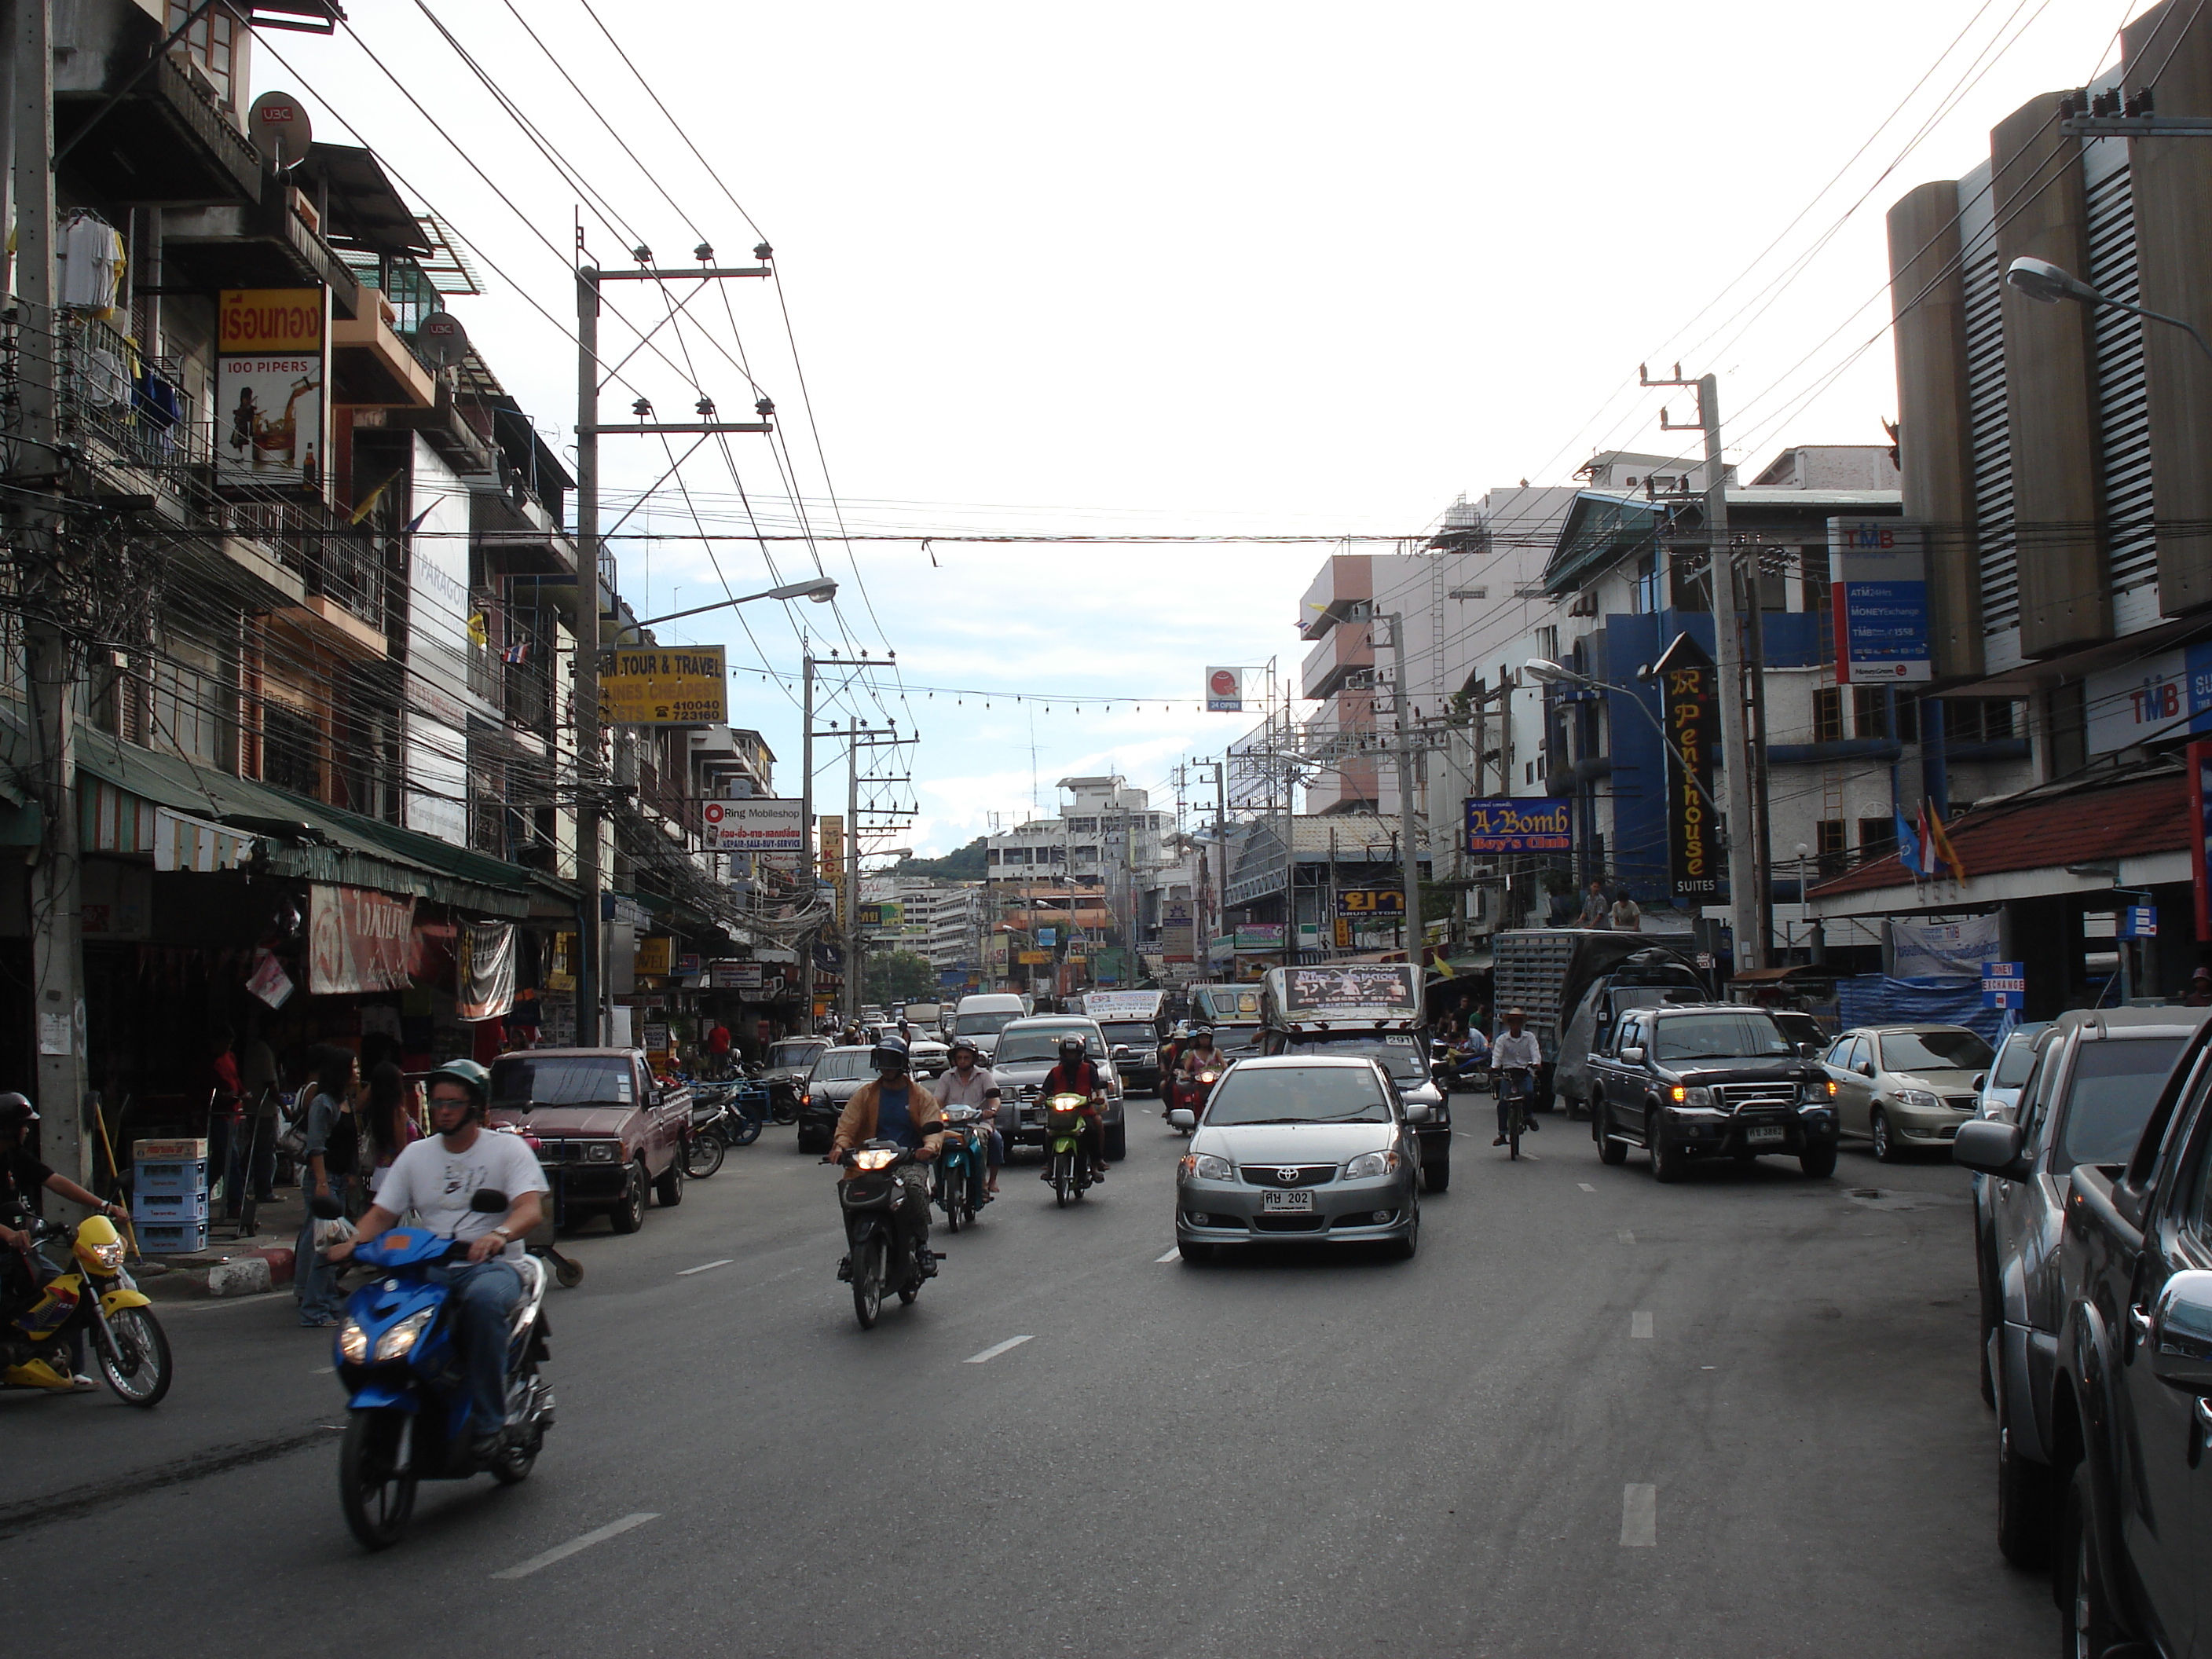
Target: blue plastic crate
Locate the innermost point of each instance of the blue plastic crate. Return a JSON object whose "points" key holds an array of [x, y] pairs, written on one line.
{"points": [[169, 1207], [171, 1176], [172, 1238]]}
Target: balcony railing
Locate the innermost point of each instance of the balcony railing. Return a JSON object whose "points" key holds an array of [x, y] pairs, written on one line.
{"points": [[109, 394], [348, 564]]}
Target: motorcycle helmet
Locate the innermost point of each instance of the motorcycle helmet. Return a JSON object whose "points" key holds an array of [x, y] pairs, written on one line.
{"points": [[1071, 1050], [16, 1110], [960, 1045], [887, 1054], [470, 1076], [1202, 1037]]}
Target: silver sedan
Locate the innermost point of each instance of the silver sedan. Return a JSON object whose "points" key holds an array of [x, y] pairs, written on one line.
{"points": [[1300, 1149]]}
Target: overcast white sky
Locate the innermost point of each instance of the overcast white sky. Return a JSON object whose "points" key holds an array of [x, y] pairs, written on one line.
{"points": [[1188, 269]]}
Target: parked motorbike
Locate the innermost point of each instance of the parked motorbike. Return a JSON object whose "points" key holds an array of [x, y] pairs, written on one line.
{"points": [[879, 1255], [91, 1297], [1187, 1094], [409, 1417], [1069, 1168], [708, 1140], [957, 1179], [1443, 1067]]}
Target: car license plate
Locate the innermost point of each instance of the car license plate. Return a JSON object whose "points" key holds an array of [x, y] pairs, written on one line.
{"points": [[1767, 1137], [1286, 1201]]}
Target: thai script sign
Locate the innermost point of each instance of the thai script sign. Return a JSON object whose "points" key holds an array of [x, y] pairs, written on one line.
{"points": [[272, 368], [357, 940], [755, 824], [1365, 902], [1534, 825], [1878, 580]]}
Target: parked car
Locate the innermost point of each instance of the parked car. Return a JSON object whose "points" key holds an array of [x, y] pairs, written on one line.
{"points": [[1710, 1081], [1998, 1090], [2086, 1100], [607, 1130], [1905, 1087], [788, 1063], [1300, 1148], [1027, 1049], [837, 1076], [2130, 1399]]}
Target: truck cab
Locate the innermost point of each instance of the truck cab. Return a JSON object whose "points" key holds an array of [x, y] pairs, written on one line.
{"points": [[1370, 1011], [1716, 1080]]}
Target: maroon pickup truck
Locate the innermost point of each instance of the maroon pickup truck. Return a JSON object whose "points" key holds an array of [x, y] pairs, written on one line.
{"points": [[606, 1128]]}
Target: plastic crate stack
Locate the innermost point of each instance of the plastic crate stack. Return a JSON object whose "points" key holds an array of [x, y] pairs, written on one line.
{"points": [[169, 1196]]}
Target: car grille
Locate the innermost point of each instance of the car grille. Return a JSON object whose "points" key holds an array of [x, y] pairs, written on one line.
{"points": [[1739, 1096], [1960, 1102], [1301, 1175], [1289, 1223], [561, 1151]]}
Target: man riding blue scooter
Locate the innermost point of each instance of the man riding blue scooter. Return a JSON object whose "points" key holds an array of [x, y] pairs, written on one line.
{"points": [[436, 1178]]}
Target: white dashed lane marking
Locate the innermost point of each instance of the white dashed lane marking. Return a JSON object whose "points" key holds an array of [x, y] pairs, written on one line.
{"points": [[1625, 1236], [563, 1552], [1639, 1517], [1170, 1257], [994, 1350], [686, 1272], [1585, 1186], [1639, 1324]]}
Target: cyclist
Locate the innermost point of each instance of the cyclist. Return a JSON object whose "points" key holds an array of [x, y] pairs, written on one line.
{"points": [[1514, 1058]]}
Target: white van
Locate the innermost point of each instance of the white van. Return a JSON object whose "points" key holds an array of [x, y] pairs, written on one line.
{"points": [[979, 1019]]}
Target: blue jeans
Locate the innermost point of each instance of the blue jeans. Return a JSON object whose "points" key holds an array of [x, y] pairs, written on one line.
{"points": [[488, 1292], [314, 1280], [1510, 1085]]}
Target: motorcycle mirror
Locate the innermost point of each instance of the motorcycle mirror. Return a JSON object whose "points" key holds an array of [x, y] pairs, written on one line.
{"points": [[489, 1200], [1183, 1118], [325, 1209]]}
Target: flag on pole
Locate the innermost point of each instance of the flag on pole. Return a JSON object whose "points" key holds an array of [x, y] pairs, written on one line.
{"points": [[1939, 849], [1908, 845]]}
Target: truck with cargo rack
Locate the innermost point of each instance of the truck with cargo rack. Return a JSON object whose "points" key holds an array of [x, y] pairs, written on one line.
{"points": [[1371, 1011], [1568, 981]]}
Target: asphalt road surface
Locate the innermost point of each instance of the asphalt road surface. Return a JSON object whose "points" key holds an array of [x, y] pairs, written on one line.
{"points": [[1594, 1416]]}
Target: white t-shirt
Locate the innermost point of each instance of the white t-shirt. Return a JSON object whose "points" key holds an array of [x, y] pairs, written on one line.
{"points": [[435, 1183]]}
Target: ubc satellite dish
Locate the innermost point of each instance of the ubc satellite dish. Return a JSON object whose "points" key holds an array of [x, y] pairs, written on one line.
{"points": [[280, 129], [442, 339]]}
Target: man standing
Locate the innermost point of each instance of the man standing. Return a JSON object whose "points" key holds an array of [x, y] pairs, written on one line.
{"points": [[718, 1050], [1597, 912], [1514, 1058]]}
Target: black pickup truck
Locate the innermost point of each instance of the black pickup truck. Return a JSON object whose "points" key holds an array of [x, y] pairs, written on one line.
{"points": [[2132, 1394], [1706, 1082]]}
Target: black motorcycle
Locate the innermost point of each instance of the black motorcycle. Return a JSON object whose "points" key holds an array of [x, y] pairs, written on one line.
{"points": [[879, 1256]]}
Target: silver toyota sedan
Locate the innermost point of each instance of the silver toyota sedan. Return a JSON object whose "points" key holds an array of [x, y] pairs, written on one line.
{"points": [[1300, 1148]]}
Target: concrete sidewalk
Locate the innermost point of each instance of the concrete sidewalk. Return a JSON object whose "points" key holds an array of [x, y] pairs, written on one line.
{"points": [[231, 1267]]}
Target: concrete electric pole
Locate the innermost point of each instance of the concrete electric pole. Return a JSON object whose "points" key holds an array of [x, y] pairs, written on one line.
{"points": [[1409, 853]]}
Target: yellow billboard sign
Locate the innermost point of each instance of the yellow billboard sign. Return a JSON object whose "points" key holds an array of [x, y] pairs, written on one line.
{"points": [[655, 685], [1034, 958]]}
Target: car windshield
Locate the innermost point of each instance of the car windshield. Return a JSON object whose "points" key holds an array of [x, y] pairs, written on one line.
{"points": [[984, 1025], [1938, 1050], [2015, 1060], [1137, 1033], [794, 1053], [1400, 1056], [1318, 1094], [1043, 1044], [1717, 1037], [2115, 1085], [840, 1064], [580, 1081]]}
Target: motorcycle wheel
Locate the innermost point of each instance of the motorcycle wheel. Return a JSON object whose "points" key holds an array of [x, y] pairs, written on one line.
{"points": [[703, 1155], [138, 1369], [1063, 1180], [746, 1130], [513, 1465], [868, 1280], [377, 1501]]}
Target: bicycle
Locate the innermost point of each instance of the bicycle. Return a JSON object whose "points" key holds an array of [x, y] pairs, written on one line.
{"points": [[1514, 1082]]}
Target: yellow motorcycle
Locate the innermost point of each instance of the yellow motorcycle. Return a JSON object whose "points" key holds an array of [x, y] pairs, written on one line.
{"points": [[95, 1298]]}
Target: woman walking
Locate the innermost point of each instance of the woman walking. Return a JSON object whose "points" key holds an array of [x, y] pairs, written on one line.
{"points": [[332, 1154]]}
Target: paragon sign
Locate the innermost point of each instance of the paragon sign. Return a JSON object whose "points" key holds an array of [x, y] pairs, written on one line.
{"points": [[1690, 713]]}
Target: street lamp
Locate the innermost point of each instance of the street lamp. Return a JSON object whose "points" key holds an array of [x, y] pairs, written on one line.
{"points": [[1551, 673], [820, 589], [2039, 279]]}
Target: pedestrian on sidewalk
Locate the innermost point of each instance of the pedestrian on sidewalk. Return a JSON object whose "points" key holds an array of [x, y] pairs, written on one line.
{"points": [[258, 1076], [332, 1150], [388, 1125], [225, 1118]]}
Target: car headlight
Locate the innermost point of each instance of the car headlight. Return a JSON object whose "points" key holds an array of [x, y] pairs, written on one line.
{"points": [[399, 1342], [1691, 1094], [602, 1151], [1918, 1100], [1204, 1166], [353, 1343], [1818, 1091], [1368, 1165]]}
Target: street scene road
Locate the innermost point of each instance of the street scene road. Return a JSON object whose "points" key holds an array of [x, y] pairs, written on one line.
{"points": [[1593, 1415]]}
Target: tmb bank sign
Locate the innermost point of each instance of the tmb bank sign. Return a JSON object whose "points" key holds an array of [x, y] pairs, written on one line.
{"points": [[2164, 695], [1878, 577], [1520, 826]]}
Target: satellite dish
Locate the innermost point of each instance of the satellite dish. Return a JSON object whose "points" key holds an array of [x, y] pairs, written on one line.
{"points": [[280, 129], [442, 339]]}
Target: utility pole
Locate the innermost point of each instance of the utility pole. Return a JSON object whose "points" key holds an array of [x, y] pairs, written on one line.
{"points": [[809, 864], [1409, 845], [1747, 876], [592, 775], [858, 738], [57, 956]]}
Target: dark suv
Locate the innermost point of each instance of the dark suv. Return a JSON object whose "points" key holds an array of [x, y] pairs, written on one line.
{"points": [[1717, 1080]]}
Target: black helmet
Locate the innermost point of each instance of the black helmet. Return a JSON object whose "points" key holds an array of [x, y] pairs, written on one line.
{"points": [[1070, 1048], [889, 1054], [958, 1045], [15, 1111]]}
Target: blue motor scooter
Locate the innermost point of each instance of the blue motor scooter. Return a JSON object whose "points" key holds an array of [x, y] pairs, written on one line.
{"points": [[409, 1417], [963, 1161]]}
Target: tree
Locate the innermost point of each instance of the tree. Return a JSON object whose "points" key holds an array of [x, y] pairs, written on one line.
{"points": [[961, 864], [899, 976]]}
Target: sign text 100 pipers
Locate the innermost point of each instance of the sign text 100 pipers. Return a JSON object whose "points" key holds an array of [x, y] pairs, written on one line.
{"points": [[1688, 709], [652, 685]]}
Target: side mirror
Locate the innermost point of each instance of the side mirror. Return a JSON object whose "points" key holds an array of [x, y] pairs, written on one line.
{"points": [[1418, 1111], [1633, 1054], [2180, 1344], [489, 1200], [1991, 1145], [1866, 1068], [1183, 1118], [1981, 1081]]}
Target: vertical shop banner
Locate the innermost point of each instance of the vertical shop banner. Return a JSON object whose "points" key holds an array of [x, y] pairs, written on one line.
{"points": [[484, 970], [272, 367], [357, 940], [1878, 580], [2200, 831], [832, 868], [1689, 711], [1178, 931]]}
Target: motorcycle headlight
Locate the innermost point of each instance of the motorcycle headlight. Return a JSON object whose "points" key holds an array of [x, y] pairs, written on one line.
{"points": [[1204, 1166], [107, 1257], [1919, 1100], [875, 1158], [353, 1343], [1691, 1094], [602, 1151], [1208, 1077], [1368, 1165], [399, 1342]]}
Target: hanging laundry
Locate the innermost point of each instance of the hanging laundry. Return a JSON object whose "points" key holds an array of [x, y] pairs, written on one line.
{"points": [[89, 265]]}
